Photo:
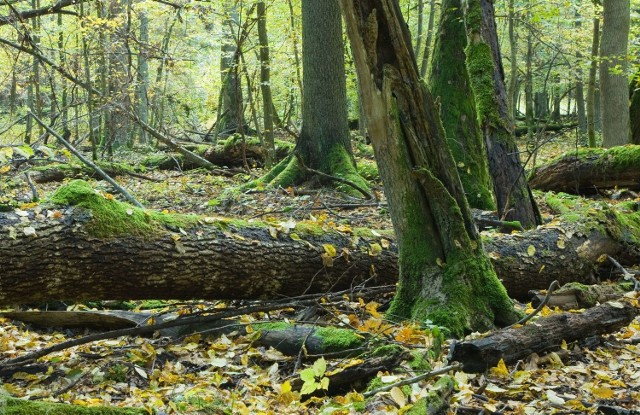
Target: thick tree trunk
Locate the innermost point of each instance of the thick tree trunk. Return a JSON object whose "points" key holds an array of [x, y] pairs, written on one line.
{"points": [[589, 171], [444, 274], [449, 84], [231, 112], [614, 93], [544, 335], [514, 199], [216, 258]]}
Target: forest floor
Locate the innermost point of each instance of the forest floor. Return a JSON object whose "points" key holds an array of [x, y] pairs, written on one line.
{"points": [[201, 374]]}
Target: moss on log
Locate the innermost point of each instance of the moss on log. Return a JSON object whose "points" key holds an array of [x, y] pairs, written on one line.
{"points": [[13, 406], [590, 170]]}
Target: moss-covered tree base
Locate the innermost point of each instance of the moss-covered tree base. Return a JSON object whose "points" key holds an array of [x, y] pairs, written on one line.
{"points": [[12, 406], [291, 170], [462, 296]]}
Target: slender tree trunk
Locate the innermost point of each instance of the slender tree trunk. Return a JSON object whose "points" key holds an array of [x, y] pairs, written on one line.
{"points": [[513, 196], [513, 57], [232, 117], [93, 119], [142, 85], [296, 49], [424, 66], [591, 84], [449, 84], [265, 85], [613, 76], [528, 90], [444, 274], [634, 108]]}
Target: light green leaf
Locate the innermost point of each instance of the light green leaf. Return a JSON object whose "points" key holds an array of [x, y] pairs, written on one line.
{"points": [[324, 383], [308, 388], [319, 367], [307, 375]]}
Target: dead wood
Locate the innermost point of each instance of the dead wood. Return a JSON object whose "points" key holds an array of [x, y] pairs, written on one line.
{"points": [[589, 171], [542, 335], [576, 296]]}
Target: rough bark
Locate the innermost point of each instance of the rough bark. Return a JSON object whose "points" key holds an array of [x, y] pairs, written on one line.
{"points": [[544, 335], [576, 296], [444, 273], [592, 113], [66, 260], [634, 108], [514, 199], [449, 84], [265, 85], [613, 77], [589, 171]]}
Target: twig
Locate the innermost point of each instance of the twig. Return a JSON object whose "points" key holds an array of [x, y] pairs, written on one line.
{"points": [[625, 274], [34, 191], [88, 162], [414, 379], [554, 286], [337, 179], [197, 319]]}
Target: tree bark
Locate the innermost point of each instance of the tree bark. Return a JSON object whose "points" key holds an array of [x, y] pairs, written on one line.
{"points": [[449, 84], [634, 108], [589, 171], [614, 93], [265, 85], [215, 259], [544, 335], [514, 199], [591, 83]]}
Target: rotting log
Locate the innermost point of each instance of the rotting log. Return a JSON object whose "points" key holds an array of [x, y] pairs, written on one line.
{"points": [[542, 335], [75, 253], [576, 296], [590, 170]]}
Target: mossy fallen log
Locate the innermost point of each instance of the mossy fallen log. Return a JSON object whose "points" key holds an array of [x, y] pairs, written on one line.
{"points": [[590, 170], [543, 335], [93, 247], [13, 406]]}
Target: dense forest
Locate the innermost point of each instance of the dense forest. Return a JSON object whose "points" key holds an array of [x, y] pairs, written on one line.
{"points": [[319, 206]]}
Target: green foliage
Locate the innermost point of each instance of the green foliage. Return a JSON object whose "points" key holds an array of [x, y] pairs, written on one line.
{"points": [[314, 377]]}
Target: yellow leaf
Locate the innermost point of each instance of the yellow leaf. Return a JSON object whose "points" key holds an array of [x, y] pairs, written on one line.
{"points": [[560, 243], [500, 370], [531, 250], [330, 250], [602, 392], [375, 249], [384, 243], [372, 308], [398, 396], [5, 169]]}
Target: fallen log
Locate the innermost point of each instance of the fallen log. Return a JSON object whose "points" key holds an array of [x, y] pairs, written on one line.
{"points": [[590, 170], [544, 334], [99, 248], [576, 296]]}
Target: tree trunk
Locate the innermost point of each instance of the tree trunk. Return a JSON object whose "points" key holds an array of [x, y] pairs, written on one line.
{"points": [[444, 275], [142, 85], [107, 253], [514, 199], [324, 144], [591, 83], [232, 110], [265, 86], [449, 84], [614, 92], [634, 108], [544, 335], [590, 171], [512, 92], [424, 66]]}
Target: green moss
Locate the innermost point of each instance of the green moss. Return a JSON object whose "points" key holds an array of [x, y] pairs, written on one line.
{"points": [[335, 340], [387, 350], [111, 217], [12, 406], [419, 361], [340, 164], [275, 326], [480, 67], [434, 401], [368, 169], [309, 228]]}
